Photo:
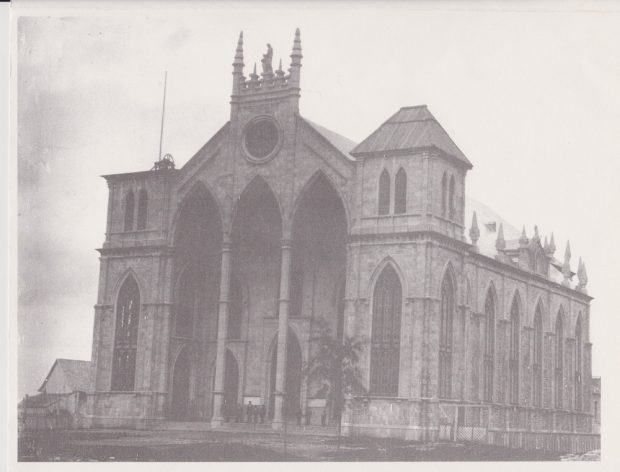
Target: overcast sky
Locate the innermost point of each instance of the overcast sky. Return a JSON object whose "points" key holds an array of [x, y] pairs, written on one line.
{"points": [[532, 98]]}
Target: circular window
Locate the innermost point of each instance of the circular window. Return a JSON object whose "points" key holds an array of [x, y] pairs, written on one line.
{"points": [[261, 138]]}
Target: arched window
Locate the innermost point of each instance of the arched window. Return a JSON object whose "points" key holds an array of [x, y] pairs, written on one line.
{"points": [[126, 336], [578, 365], [129, 209], [190, 288], [489, 345], [538, 357], [385, 339], [444, 194], [513, 363], [451, 198], [384, 193], [142, 208], [400, 192], [235, 310], [445, 337], [559, 360]]}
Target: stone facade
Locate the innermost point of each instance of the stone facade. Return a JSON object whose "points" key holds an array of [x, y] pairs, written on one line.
{"points": [[287, 230]]}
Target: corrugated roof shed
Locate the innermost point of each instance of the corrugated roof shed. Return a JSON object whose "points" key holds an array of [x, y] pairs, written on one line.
{"points": [[410, 128], [77, 373]]}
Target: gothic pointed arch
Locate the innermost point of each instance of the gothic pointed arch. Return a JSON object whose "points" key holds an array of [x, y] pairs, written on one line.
{"points": [[559, 359], [400, 192], [130, 205], [257, 192], [198, 195], [142, 210], [451, 199], [537, 358], [190, 287], [514, 349], [578, 364], [490, 315], [446, 332], [126, 335], [384, 193], [293, 375], [385, 335], [444, 194], [180, 392]]}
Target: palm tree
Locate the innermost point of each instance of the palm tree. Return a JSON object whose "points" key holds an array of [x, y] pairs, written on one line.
{"points": [[335, 367]]}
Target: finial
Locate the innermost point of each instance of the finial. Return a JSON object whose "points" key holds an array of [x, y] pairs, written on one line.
{"points": [[536, 235], [239, 52], [500, 243], [566, 266], [583, 276], [523, 239], [474, 232], [551, 248], [546, 245], [296, 58]]}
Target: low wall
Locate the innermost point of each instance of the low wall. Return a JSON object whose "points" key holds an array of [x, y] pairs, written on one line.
{"points": [[131, 410]]}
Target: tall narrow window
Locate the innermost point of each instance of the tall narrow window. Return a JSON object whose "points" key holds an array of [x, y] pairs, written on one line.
{"points": [[513, 363], [126, 336], [559, 360], [445, 338], [400, 192], [578, 365], [444, 194], [489, 345], [451, 205], [129, 209], [142, 209], [236, 309], [384, 193], [538, 356], [385, 338]]}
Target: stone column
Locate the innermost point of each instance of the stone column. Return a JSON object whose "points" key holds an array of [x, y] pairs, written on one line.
{"points": [[222, 328], [283, 303]]}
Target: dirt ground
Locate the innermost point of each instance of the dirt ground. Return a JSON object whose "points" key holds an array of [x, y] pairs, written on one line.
{"points": [[213, 446]]}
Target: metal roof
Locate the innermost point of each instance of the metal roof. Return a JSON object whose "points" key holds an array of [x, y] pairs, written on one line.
{"points": [[408, 129], [343, 144]]}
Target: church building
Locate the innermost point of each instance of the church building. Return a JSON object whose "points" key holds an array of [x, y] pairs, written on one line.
{"points": [[215, 277]]}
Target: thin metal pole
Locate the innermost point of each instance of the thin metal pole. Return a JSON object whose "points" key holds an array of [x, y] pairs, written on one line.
{"points": [[163, 110]]}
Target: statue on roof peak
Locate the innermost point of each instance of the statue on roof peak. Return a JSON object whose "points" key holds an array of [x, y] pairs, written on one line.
{"points": [[266, 61]]}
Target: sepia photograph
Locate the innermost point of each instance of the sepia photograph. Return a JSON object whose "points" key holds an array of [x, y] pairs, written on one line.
{"points": [[313, 231]]}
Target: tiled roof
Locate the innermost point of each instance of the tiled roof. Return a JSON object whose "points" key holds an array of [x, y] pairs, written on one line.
{"points": [[76, 372], [343, 144], [408, 129]]}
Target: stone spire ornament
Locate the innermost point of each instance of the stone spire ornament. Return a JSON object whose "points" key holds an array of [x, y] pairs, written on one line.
{"points": [[296, 59], [551, 248], [523, 241], [500, 242], [583, 277], [238, 79], [280, 72], [566, 266], [546, 245], [536, 235], [474, 231]]}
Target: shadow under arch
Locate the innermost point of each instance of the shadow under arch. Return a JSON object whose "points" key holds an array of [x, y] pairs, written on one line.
{"points": [[198, 194], [180, 398]]}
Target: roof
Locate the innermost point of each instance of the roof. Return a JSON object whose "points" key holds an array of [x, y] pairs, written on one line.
{"points": [[488, 224], [41, 400], [408, 129], [343, 144], [77, 374]]}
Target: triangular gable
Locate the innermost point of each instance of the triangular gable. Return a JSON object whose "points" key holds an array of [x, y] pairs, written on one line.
{"points": [[409, 129]]}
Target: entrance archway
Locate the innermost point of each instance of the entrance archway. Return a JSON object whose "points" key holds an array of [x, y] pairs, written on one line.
{"points": [[292, 392], [179, 405], [231, 385]]}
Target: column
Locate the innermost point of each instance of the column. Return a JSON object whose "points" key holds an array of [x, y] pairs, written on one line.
{"points": [[283, 303], [222, 328]]}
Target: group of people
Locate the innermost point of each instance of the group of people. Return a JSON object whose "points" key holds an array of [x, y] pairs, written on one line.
{"points": [[253, 413]]}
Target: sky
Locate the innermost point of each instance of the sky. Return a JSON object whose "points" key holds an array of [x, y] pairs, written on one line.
{"points": [[531, 96]]}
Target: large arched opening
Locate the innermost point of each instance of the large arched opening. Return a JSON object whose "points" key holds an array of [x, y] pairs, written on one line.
{"points": [[197, 260], [318, 266], [179, 405]]}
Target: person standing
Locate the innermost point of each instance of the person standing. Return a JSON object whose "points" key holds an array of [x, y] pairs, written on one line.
{"points": [[249, 411]]}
